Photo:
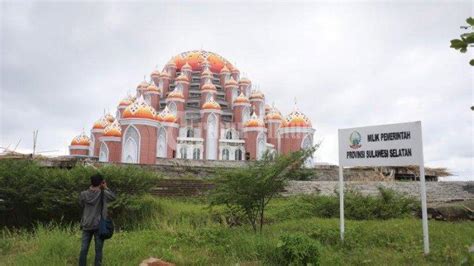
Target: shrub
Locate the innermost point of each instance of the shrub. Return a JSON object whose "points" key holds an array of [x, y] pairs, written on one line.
{"points": [[296, 249], [30, 193], [387, 204]]}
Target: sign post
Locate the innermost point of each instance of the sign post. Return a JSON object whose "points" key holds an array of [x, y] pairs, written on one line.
{"points": [[383, 145], [341, 201]]}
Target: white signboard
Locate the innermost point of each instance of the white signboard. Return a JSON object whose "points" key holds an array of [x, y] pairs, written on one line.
{"points": [[384, 145]]}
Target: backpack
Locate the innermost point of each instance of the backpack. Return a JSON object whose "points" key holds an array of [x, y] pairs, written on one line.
{"points": [[106, 225]]}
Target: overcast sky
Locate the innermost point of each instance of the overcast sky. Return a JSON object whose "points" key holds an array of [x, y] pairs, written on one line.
{"points": [[347, 64]]}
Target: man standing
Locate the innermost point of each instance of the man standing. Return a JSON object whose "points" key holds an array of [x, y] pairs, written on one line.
{"points": [[92, 205]]}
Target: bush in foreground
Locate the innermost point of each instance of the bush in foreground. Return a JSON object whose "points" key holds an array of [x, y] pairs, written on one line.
{"points": [[30, 193], [296, 249]]}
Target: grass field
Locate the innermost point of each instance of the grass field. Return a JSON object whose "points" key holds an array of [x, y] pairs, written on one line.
{"points": [[186, 232]]}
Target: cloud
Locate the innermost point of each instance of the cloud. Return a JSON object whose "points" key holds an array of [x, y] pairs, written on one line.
{"points": [[347, 64]]}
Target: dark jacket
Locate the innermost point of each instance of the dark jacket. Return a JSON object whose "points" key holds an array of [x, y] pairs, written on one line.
{"points": [[90, 201]]}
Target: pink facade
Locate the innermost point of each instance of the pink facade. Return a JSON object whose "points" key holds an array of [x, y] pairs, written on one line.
{"points": [[198, 107]]}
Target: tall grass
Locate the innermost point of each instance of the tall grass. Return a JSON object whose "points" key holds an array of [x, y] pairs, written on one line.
{"points": [[186, 232]]}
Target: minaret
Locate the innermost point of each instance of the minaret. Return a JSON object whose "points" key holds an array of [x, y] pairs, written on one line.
{"points": [[224, 75], [141, 88], [165, 82], [206, 76], [210, 119], [257, 99], [208, 90], [167, 134], [245, 86], [254, 133], [152, 96], [295, 133], [182, 83], [97, 132], [273, 121], [241, 111], [235, 73], [231, 90], [139, 130], [112, 139], [80, 146], [123, 104], [171, 69], [187, 70], [175, 102], [155, 77]]}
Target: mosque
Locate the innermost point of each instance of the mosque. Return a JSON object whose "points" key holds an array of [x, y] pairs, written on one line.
{"points": [[198, 107]]}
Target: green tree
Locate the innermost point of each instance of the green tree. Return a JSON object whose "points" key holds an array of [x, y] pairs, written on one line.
{"points": [[466, 39], [247, 191]]}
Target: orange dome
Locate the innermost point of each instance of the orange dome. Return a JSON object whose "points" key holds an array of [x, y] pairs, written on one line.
{"points": [[182, 78], [231, 82], [273, 114], [101, 123], [241, 98], [196, 58], [225, 70], [296, 119], [143, 85], [165, 74], [171, 64], [126, 101], [208, 86], [244, 81], [166, 116], [113, 130], [152, 87], [206, 74], [176, 94], [155, 74], [81, 140], [186, 67], [254, 121], [268, 108], [256, 95], [110, 118], [211, 104], [139, 109], [235, 70]]}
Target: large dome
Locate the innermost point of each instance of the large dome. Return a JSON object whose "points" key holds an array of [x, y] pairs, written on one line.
{"points": [[196, 57]]}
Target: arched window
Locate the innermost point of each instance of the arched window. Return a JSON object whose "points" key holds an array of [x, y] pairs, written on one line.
{"points": [[225, 154], [196, 154], [208, 96], [227, 77], [161, 143], [245, 114], [173, 108], [189, 133], [131, 142], [103, 153], [260, 146], [211, 140], [238, 155], [228, 134], [183, 152]]}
